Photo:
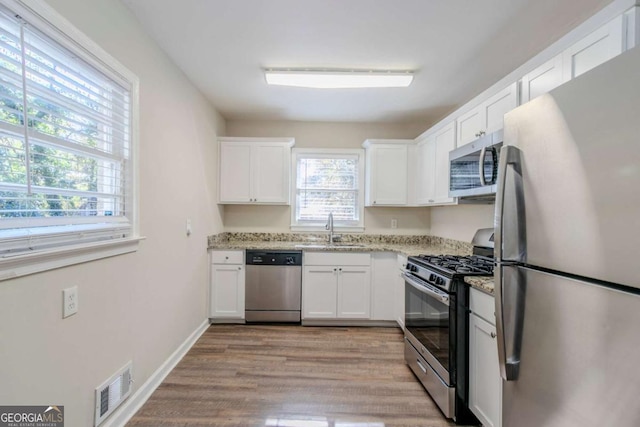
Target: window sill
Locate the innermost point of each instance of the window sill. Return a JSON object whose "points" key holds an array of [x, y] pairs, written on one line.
{"points": [[12, 267]]}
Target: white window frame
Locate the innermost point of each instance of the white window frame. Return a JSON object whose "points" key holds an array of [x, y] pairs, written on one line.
{"points": [[311, 227], [55, 26]]}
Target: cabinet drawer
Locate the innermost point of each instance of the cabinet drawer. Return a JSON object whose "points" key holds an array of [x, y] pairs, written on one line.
{"points": [[227, 257], [483, 305], [336, 258]]}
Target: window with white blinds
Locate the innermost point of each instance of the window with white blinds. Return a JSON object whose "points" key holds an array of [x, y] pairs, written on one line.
{"points": [[328, 181], [65, 142]]}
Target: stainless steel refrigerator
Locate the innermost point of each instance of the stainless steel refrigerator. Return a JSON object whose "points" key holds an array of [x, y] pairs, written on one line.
{"points": [[567, 247]]}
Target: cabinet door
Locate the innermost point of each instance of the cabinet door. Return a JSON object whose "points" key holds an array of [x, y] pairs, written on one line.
{"points": [[354, 292], [398, 299], [388, 175], [426, 187], [494, 109], [383, 284], [596, 48], [445, 141], [485, 383], [227, 291], [319, 292], [469, 125], [541, 80], [270, 177], [234, 181]]}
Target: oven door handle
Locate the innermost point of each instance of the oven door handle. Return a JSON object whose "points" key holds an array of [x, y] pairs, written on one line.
{"points": [[442, 297]]}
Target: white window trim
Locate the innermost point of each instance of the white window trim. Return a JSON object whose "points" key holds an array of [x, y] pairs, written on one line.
{"points": [[61, 30], [295, 226]]}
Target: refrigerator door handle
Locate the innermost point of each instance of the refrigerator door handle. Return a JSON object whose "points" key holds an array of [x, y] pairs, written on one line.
{"points": [[514, 222], [510, 298], [510, 286]]}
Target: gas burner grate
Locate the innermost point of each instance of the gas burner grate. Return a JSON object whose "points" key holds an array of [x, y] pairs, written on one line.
{"points": [[469, 265]]}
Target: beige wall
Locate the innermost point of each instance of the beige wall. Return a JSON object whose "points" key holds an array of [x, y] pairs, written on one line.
{"points": [[324, 135], [139, 306], [460, 222]]}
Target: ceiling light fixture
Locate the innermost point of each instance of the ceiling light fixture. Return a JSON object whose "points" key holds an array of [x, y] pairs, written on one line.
{"points": [[338, 79]]}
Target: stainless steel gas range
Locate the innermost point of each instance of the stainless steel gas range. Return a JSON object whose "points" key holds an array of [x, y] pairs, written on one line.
{"points": [[436, 323]]}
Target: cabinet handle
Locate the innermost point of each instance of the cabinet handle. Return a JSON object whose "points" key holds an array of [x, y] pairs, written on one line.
{"points": [[226, 257], [239, 268], [335, 269], [493, 335], [430, 200], [339, 269]]}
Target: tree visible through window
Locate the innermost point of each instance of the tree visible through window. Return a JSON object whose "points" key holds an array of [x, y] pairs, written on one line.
{"points": [[64, 135], [327, 183]]}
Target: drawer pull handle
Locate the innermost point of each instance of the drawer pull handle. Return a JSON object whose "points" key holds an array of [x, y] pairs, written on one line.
{"points": [[493, 335], [422, 368]]}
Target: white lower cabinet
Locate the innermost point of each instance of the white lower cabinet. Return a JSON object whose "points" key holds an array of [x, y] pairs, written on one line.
{"points": [[335, 288], [320, 291], [485, 383], [227, 285], [383, 285], [398, 292]]}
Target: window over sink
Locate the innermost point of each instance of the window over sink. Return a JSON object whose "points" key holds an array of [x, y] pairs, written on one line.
{"points": [[328, 181]]}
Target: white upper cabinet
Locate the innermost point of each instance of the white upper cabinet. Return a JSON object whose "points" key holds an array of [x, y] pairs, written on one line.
{"points": [[594, 49], [425, 171], [387, 172], [543, 79], [488, 116], [254, 170], [433, 167]]}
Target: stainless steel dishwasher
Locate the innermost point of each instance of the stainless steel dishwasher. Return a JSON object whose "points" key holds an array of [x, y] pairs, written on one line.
{"points": [[273, 286]]}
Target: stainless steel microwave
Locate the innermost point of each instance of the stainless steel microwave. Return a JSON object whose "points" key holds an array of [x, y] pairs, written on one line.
{"points": [[473, 168]]}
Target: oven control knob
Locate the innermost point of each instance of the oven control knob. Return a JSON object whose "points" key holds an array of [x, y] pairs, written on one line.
{"points": [[439, 281], [432, 277], [414, 268]]}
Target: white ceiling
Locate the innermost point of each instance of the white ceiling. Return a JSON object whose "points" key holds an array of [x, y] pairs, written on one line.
{"points": [[457, 47]]}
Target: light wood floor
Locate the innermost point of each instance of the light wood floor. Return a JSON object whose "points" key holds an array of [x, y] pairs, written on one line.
{"points": [[292, 376]]}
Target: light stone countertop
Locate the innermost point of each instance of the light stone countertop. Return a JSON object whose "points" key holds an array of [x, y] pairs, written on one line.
{"points": [[483, 283], [405, 245], [404, 249]]}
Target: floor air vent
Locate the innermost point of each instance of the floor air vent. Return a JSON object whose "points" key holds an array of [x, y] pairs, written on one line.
{"points": [[112, 393]]}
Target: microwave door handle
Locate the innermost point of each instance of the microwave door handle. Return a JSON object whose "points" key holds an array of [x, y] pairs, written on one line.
{"points": [[494, 173], [483, 154]]}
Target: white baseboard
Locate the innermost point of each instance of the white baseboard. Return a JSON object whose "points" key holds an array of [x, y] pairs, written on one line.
{"points": [[350, 322], [128, 409]]}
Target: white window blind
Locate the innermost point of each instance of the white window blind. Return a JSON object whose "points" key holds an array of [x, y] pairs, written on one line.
{"points": [[65, 127], [328, 183]]}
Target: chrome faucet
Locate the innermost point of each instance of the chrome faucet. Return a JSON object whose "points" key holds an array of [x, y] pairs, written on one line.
{"points": [[329, 227]]}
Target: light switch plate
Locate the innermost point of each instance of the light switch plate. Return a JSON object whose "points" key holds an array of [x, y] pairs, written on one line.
{"points": [[69, 301], [394, 223]]}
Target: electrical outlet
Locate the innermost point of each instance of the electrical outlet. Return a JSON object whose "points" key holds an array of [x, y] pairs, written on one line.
{"points": [[69, 301], [394, 223]]}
